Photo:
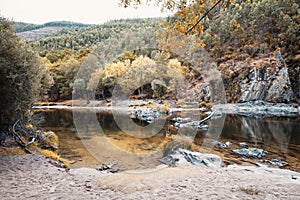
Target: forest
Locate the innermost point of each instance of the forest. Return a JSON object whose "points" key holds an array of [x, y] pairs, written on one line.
{"points": [[22, 26]]}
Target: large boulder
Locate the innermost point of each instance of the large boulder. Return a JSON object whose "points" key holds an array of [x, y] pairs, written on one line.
{"points": [[182, 157]]}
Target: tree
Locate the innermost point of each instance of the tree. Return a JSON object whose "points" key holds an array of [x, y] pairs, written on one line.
{"points": [[159, 87], [188, 15], [220, 24], [21, 75]]}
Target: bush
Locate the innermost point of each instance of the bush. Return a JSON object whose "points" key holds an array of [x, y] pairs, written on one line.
{"points": [[21, 75]]}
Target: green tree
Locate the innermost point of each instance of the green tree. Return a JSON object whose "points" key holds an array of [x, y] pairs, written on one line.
{"points": [[21, 75]]}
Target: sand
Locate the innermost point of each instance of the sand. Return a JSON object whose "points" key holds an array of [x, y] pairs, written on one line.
{"points": [[37, 177]]}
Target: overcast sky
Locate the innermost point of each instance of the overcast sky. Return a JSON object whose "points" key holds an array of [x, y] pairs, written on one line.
{"points": [[85, 11]]}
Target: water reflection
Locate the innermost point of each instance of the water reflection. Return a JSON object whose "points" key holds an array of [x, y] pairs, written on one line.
{"points": [[279, 132], [279, 136]]}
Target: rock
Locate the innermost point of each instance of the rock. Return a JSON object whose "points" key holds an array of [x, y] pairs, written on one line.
{"points": [[267, 85], [276, 162], [180, 119], [243, 144], [204, 92], [218, 144], [182, 157], [194, 124], [251, 153], [108, 167], [254, 91], [280, 88], [204, 127], [146, 114], [228, 144]]}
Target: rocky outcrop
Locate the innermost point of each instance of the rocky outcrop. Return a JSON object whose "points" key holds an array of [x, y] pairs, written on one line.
{"points": [[280, 87], [266, 77], [268, 86], [294, 74]]}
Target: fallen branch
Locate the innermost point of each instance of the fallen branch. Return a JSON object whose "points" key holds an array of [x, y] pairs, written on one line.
{"points": [[20, 139], [207, 118], [16, 135]]}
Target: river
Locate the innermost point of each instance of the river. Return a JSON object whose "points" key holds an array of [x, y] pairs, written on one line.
{"points": [[279, 136]]}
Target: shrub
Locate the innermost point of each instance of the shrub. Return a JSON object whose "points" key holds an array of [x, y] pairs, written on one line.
{"points": [[21, 75]]}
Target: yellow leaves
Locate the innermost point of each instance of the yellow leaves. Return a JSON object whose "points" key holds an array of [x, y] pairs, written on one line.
{"points": [[53, 155], [29, 126]]}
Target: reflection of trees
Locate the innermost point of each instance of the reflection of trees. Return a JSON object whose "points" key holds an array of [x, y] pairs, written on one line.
{"points": [[270, 131], [58, 118]]}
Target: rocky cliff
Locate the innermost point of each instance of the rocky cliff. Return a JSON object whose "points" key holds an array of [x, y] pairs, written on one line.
{"points": [[267, 77]]}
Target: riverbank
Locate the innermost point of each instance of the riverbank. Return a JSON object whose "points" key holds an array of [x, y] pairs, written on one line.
{"points": [[35, 177], [260, 109]]}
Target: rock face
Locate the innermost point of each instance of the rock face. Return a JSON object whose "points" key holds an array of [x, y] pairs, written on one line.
{"points": [[265, 78], [280, 88], [266, 86]]}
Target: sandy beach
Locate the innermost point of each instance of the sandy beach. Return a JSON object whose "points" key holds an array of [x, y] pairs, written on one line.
{"points": [[37, 177]]}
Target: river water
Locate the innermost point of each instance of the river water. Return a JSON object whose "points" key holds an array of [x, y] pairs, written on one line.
{"points": [[104, 142]]}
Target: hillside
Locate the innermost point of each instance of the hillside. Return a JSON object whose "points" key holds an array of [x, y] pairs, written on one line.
{"points": [[258, 57], [30, 32], [77, 39]]}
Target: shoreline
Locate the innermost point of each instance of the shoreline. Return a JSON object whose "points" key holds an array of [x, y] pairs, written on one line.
{"points": [[257, 108], [33, 176]]}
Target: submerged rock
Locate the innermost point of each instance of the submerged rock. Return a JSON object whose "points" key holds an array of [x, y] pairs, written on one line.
{"points": [[250, 153], [180, 119], [147, 115], [193, 124], [182, 157]]}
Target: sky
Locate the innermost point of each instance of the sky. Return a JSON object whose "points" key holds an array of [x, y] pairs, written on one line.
{"points": [[84, 11]]}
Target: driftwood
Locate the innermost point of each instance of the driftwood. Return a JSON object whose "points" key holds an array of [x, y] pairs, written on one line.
{"points": [[20, 132], [193, 124]]}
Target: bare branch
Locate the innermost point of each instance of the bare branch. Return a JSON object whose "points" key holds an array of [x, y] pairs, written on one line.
{"points": [[205, 14]]}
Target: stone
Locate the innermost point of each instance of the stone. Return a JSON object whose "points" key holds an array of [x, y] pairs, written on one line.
{"points": [[147, 115], [181, 157], [280, 88], [276, 162], [243, 144], [218, 144], [180, 119], [228, 144], [263, 85], [250, 153]]}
